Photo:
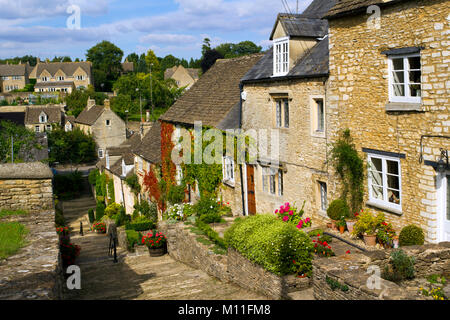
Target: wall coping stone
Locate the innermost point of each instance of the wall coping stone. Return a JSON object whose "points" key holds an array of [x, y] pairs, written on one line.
{"points": [[25, 171]]}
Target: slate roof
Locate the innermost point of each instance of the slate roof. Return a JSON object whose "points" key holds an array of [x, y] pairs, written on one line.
{"points": [[90, 116], [127, 67], [299, 25], [169, 72], [150, 146], [68, 68], [13, 70], [318, 8], [54, 114], [312, 64], [193, 73], [212, 97], [54, 84], [346, 7]]}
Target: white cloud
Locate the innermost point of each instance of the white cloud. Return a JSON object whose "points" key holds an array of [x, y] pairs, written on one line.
{"points": [[164, 38]]}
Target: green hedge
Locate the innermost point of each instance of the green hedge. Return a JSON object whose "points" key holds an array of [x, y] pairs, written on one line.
{"points": [[132, 238], [271, 243], [211, 234], [140, 226]]}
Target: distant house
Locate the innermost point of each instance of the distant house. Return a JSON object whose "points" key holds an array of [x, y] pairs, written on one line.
{"points": [[43, 118], [61, 76], [107, 128], [184, 77], [127, 67], [69, 123], [14, 76]]}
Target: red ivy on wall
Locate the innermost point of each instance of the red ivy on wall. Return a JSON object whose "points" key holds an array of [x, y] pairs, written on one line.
{"points": [[151, 185], [168, 167]]}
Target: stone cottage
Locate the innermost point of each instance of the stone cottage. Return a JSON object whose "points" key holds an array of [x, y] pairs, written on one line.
{"points": [[14, 76], [184, 77], [285, 93], [213, 101], [43, 118], [389, 84], [107, 128]]}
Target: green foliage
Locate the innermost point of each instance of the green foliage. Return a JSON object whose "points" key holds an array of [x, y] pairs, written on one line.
{"points": [[100, 185], [211, 234], [232, 50], [334, 284], [411, 235], [91, 215], [400, 267], [133, 182], [367, 223], [111, 193], [338, 209], [176, 194], [60, 221], [99, 211], [68, 186], [5, 213], [350, 168], [24, 142], [147, 210], [271, 243], [77, 100], [93, 174], [325, 238], [112, 209], [12, 238], [208, 210], [132, 239], [140, 224], [314, 233], [71, 147], [122, 218], [106, 61]]}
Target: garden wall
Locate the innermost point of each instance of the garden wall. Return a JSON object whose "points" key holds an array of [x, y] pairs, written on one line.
{"points": [[233, 267], [35, 272], [26, 186], [352, 271]]}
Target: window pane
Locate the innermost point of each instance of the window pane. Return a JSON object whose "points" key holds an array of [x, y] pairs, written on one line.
{"points": [[397, 63], [414, 62], [399, 77], [377, 192], [399, 90], [414, 76], [278, 114], [394, 196], [272, 184], [377, 178], [320, 115], [393, 182], [376, 164], [286, 113], [280, 183], [414, 90], [392, 167]]}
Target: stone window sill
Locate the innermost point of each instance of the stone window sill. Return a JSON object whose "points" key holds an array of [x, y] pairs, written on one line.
{"points": [[229, 183], [384, 208], [403, 106]]}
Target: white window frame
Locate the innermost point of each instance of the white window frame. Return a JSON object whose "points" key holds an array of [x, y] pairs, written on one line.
{"points": [[407, 98], [43, 118], [44, 79], [100, 153], [323, 192], [60, 78], [228, 168], [108, 123], [37, 129], [385, 202], [272, 181], [281, 57]]}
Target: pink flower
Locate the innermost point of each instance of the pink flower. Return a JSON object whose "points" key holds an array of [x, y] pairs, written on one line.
{"points": [[307, 220], [285, 218], [291, 213]]}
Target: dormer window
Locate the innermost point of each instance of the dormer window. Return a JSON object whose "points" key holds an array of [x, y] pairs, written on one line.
{"points": [[60, 78], [44, 79], [42, 118], [280, 57]]}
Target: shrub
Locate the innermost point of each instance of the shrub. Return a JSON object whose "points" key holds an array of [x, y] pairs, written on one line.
{"points": [[68, 186], [337, 209], [112, 209], [289, 213], [99, 226], [211, 234], [211, 217], [206, 205], [140, 224], [91, 215], [400, 267], [99, 211], [150, 211], [122, 217], [59, 218], [411, 235], [175, 194], [132, 239], [271, 243], [154, 239], [93, 176], [367, 223]]}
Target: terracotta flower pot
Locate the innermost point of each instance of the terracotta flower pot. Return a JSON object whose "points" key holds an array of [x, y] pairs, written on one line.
{"points": [[329, 225], [370, 240], [341, 229], [334, 225], [350, 224]]}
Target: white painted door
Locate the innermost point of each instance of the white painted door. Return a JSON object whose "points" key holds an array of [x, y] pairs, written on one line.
{"points": [[444, 207]]}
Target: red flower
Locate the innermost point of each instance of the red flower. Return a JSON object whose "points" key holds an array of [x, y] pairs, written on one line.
{"points": [[347, 252]]}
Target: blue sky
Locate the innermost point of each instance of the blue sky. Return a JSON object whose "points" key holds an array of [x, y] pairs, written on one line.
{"points": [[175, 27]]}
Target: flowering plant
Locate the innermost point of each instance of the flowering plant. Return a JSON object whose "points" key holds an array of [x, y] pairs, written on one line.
{"points": [[62, 230], [99, 226], [289, 213], [304, 223], [69, 252], [175, 212], [322, 248], [224, 208], [386, 233], [154, 239]]}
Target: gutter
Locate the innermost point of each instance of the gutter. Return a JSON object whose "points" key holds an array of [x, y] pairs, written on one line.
{"points": [[285, 78], [241, 89]]}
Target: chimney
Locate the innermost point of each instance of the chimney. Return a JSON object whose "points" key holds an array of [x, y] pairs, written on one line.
{"points": [[38, 60], [107, 104], [147, 115], [90, 103]]}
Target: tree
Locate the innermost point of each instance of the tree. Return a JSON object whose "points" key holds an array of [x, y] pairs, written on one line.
{"points": [[169, 61], [206, 46], [153, 62], [106, 61], [24, 141], [209, 58], [231, 50], [77, 100], [71, 146]]}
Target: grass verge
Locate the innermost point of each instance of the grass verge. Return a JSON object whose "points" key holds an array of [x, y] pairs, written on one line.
{"points": [[12, 238]]}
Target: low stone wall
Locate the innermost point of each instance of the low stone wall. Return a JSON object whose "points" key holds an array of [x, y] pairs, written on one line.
{"points": [[26, 186], [35, 272], [353, 271], [233, 267]]}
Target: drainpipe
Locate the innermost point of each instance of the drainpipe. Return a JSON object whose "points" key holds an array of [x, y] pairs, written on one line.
{"points": [[241, 89]]}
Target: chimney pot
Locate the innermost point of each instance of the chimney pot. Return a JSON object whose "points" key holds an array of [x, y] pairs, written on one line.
{"points": [[90, 103], [107, 104]]}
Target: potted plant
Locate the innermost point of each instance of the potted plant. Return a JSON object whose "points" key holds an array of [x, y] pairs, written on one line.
{"points": [[99, 227], [156, 243], [385, 235], [336, 210], [350, 221], [367, 226], [64, 234], [341, 224]]}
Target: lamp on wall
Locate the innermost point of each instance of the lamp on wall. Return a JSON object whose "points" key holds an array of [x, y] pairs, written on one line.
{"points": [[443, 161]]}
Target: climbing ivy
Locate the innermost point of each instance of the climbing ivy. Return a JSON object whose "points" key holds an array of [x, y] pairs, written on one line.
{"points": [[350, 168]]}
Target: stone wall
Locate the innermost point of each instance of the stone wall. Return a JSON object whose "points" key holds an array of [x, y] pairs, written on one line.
{"points": [[353, 271], [35, 272], [26, 186], [233, 267], [359, 94]]}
